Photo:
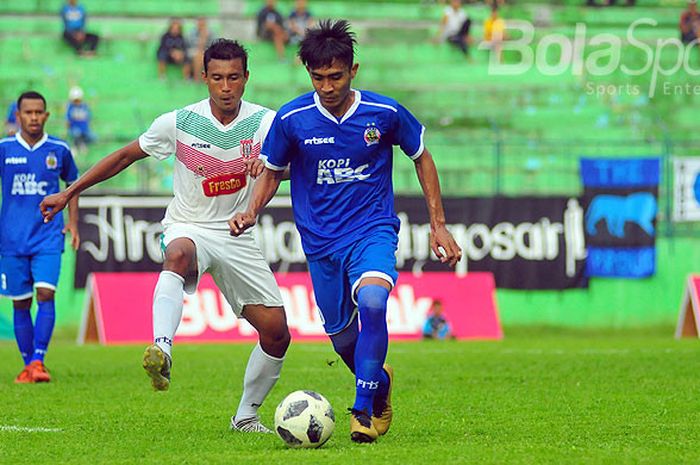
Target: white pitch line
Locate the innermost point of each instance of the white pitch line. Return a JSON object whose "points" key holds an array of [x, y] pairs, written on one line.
{"points": [[24, 429]]}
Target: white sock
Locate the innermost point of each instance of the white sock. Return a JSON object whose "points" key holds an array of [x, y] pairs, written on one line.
{"points": [[261, 374], [168, 299]]}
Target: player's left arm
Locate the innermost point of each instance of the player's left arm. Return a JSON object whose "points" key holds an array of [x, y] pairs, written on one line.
{"points": [[72, 224], [70, 174], [441, 241]]}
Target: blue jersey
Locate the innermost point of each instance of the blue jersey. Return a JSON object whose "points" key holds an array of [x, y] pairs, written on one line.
{"points": [[27, 175], [341, 169], [78, 117], [73, 18]]}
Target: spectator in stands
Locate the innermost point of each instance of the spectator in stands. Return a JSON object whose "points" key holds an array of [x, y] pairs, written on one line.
{"points": [[11, 126], [78, 121], [299, 20], [173, 50], [455, 25], [494, 33], [74, 19], [436, 325], [197, 42], [690, 23], [271, 27]]}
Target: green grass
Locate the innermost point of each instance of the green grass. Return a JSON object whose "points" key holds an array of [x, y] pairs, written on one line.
{"points": [[536, 397]]}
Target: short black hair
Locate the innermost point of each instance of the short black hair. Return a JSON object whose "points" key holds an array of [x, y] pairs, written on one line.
{"points": [[225, 49], [331, 40], [30, 95]]}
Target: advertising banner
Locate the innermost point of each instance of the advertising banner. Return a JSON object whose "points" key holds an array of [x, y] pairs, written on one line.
{"points": [[112, 316], [621, 201], [686, 189], [526, 242], [689, 315]]}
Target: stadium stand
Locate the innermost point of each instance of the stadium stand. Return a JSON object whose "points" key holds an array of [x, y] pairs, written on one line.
{"points": [[489, 133]]}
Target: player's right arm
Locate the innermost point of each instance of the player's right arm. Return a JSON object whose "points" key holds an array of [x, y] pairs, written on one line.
{"points": [[112, 164]]}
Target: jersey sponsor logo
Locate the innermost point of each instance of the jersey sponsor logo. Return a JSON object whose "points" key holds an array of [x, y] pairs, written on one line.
{"points": [[247, 148], [224, 184], [199, 145], [16, 161], [372, 135], [332, 171], [51, 161], [26, 184], [319, 141]]}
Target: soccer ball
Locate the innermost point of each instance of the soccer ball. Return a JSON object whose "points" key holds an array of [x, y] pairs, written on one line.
{"points": [[304, 419]]}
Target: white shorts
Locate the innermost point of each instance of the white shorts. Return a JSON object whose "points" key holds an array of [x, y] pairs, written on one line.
{"points": [[236, 264]]}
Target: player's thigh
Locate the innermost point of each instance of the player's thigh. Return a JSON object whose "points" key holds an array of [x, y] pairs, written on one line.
{"points": [[203, 250], [46, 269], [333, 293], [16, 277], [242, 274], [373, 257]]}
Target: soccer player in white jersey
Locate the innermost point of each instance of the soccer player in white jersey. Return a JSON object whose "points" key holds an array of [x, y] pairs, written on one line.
{"points": [[216, 143], [338, 143]]}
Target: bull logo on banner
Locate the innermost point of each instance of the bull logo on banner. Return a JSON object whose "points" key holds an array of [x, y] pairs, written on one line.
{"points": [[621, 200]]}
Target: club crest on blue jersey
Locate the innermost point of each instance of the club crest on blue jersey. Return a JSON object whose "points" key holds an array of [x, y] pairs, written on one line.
{"points": [[372, 135], [51, 161], [246, 148]]}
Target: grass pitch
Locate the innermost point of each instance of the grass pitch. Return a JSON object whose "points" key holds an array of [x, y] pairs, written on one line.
{"points": [[533, 398]]}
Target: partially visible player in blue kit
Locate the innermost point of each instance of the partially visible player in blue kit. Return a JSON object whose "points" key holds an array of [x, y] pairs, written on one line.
{"points": [[338, 144], [31, 165]]}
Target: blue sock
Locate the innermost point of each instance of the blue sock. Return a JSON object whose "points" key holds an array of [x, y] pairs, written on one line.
{"points": [[24, 333], [372, 343], [45, 318]]}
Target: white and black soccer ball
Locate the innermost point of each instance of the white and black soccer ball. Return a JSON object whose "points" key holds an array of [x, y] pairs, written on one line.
{"points": [[304, 419]]}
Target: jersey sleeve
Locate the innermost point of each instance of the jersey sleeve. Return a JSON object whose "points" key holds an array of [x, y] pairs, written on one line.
{"points": [[276, 148], [159, 140], [408, 133], [264, 130], [69, 171]]}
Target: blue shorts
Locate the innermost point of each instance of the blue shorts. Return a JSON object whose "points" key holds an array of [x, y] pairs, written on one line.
{"points": [[19, 275], [336, 276]]}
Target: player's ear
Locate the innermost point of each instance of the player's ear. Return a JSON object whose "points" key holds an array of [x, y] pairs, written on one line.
{"points": [[353, 70]]}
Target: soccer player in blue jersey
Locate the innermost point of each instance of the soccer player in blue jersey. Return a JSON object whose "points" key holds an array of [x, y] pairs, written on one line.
{"points": [[337, 143], [31, 165]]}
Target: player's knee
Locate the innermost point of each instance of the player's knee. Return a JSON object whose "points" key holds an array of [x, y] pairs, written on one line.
{"points": [[44, 294], [22, 304], [371, 300], [178, 260]]}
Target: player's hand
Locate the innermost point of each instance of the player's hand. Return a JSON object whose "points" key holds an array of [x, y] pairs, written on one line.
{"points": [[254, 167], [240, 222], [53, 204], [444, 246], [74, 235]]}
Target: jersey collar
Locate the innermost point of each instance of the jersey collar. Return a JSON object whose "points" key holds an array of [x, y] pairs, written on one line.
{"points": [[347, 114], [221, 127], [24, 143]]}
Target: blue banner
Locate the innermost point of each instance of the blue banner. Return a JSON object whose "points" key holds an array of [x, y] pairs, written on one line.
{"points": [[621, 203]]}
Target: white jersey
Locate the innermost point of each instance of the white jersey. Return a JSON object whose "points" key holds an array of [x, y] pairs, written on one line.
{"points": [[209, 182]]}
